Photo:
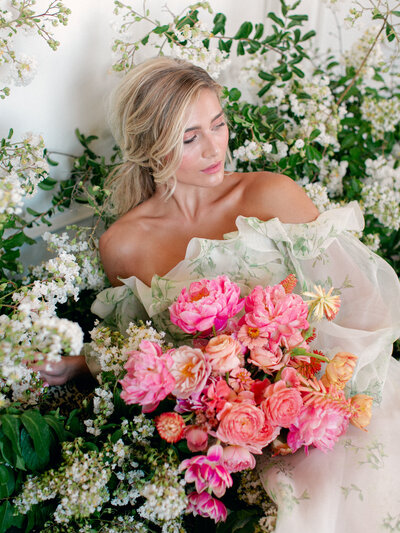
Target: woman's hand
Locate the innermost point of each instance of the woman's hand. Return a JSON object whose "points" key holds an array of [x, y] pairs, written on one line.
{"points": [[59, 373]]}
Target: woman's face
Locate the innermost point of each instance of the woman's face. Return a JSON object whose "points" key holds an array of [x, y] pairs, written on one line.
{"points": [[204, 142]]}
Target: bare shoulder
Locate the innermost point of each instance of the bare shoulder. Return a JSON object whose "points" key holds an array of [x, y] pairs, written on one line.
{"points": [[269, 195], [121, 248]]}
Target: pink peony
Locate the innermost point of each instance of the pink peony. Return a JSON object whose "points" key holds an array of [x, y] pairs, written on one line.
{"points": [[190, 370], [238, 458], [320, 426], [197, 438], [149, 379], [245, 425], [284, 315], [223, 352], [282, 404], [208, 303], [205, 505], [207, 471]]}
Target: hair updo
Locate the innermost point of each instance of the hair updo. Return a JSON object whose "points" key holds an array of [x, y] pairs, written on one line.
{"points": [[148, 120]]}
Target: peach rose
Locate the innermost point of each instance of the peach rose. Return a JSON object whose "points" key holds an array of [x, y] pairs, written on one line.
{"points": [[190, 370], [340, 369], [282, 404], [362, 404], [223, 353], [245, 425], [268, 361]]}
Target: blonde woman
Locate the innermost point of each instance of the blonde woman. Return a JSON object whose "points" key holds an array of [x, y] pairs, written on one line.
{"points": [[182, 217]]}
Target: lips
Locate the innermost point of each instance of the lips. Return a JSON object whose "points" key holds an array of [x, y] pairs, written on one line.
{"points": [[213, 169]]}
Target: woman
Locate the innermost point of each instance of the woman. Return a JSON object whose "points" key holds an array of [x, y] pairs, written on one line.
{"points": [[182, 217]]}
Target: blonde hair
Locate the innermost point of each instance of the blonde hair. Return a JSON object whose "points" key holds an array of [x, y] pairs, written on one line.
{"points": [[148, 121]]}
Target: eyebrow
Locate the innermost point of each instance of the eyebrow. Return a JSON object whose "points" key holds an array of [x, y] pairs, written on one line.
{"points": [[198, 127]]}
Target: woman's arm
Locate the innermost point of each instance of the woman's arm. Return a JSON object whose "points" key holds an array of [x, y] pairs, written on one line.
{"points": [[67, 368]]}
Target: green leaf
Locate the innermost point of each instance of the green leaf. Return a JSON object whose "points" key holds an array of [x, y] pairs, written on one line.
{"points": [[396, 13], [266, 76], [276, 19], [349, 140], [56, 425], [11, 426], [10, 133], [47, 184], [298, 18], [308, 35], [39, 432], [145, 39], [242, 521], [314, 134], [259, 30], [219, 24], [6, 516], [377, 16], [240, 49], [244, 31], [234, 94], [390, 34], [7, 482], [31, 458], [299, 351], [161, 29]]}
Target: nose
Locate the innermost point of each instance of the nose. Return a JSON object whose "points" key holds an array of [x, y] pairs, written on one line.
{"points": [[210, 146]]}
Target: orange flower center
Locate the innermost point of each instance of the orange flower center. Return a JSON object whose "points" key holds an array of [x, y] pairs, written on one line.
{"points": [[195, 297], [253, 332]]}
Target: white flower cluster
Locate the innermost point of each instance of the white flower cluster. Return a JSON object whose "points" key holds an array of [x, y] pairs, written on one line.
{"points": [[165, 495], [103, 407], [80, 484], [360, 49], [22, 168], [189, 45], [372, 240], [126, 524], [112, 348], [383, 203], [382, 170], [127, 491], [318, 194], [141, 429], [382, 114], [84, 249], [21, 67], [252, 150], [319, 112], [34, 333], [254, 64], [331, 174]]}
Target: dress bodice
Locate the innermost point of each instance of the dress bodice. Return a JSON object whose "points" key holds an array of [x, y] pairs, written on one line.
{"points": [[323, 252]]}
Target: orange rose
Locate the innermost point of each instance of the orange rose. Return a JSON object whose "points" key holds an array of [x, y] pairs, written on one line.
{"points": [[340, 369], [362, 404]]}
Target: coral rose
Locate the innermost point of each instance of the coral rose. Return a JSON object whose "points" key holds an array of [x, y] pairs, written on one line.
{"points": [[207, 303], [197, 438], [245, 425], [340, 369], [268, 361], [282, 404], [362, 405], [149, 379], [223, 353], [237, 458], [190, 370]]}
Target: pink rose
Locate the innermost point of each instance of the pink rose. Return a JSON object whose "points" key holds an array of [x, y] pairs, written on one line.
{"points": [[223, 353], [208, 303], [282, 405], [190, 370], [205, 505], [245, 425], [318, 426], [149, 379], [197, 438], [237, 458]]}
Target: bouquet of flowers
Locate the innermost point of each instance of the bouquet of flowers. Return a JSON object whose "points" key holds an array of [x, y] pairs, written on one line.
{"points": [[248, 379]]}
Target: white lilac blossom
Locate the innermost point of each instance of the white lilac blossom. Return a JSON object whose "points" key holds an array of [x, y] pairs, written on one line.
{"points": [[189, 45], [382, 114], [383, 203], [318, 194]]}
